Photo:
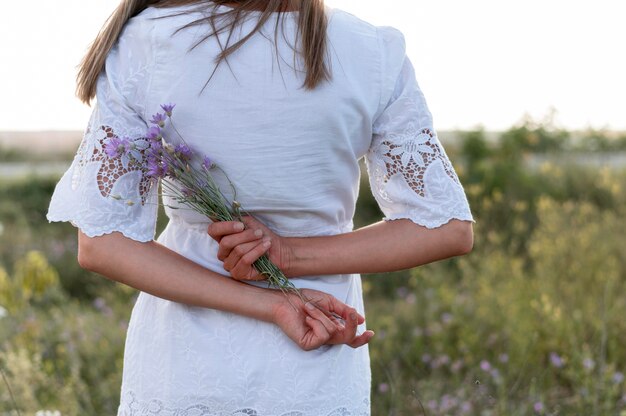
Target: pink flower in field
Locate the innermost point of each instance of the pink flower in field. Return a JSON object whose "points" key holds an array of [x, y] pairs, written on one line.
{"points": [[589, 364], [485, 365], [538, 407], [503, 358], [556, 360], [383, 387]]}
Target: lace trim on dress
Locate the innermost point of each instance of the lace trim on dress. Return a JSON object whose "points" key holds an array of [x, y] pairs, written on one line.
{"points": [[111, 169], [412, 177], [410, 155], [155, 407]]}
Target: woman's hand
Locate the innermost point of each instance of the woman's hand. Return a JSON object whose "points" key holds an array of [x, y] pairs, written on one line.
{"points": [[240, 247], [311, 324]]}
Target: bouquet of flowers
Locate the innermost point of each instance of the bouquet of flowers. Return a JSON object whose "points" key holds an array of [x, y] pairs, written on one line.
{"points": [[190, 179]]}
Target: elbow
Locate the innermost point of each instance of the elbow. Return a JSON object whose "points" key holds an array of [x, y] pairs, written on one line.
{"points": [[463, 237]]}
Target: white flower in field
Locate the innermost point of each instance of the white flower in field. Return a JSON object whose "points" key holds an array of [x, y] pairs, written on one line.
{"points": [[3, 312], [48, 413]]}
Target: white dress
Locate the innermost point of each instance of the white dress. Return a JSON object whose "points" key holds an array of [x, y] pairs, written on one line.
{"points": [[293, 157]]}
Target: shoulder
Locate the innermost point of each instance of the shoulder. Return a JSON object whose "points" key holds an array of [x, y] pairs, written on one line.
{"points": [[349, 24]]}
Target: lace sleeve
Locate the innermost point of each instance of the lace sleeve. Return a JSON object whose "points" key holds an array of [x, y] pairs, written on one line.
{"points": [[101, 194], [410, 174]]}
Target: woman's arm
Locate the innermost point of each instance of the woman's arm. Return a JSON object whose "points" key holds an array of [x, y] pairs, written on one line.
{"points": [[381, 247], [385, 246], [155, 269]]}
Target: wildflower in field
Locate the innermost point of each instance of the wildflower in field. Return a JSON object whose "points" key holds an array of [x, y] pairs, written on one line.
{"points": [[426, 358], [589, 364], [466, 407], [503, 358], [447, 403], [538, 407], [556, 360], [485, 366], [618, 377], [3, 312], [495, 374], [383, 388]]}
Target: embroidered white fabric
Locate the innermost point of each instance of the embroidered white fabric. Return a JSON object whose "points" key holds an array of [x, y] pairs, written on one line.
{"points": [[292, 155], [100, 194], [410, 173]]}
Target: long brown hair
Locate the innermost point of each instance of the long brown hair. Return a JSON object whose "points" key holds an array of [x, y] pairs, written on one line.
{"points": [[312, 24]]}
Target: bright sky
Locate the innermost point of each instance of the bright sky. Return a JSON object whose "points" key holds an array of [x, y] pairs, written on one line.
{"points": [[478, 62]]}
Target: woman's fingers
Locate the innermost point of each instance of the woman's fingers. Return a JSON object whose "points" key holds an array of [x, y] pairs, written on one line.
{"points": [[243, 268], [317, 338], [343, 310], [237, 242], [362, 339], [321, 317], [219, 229]]}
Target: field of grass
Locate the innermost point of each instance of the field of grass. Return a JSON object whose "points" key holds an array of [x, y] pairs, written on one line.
{"points": [[532, 322]]}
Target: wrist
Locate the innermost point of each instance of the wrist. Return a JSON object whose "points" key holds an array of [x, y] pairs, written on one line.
{"points": [[292, 256]]}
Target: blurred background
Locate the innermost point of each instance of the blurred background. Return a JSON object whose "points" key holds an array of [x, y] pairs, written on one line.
{"points": [[528, 100]]}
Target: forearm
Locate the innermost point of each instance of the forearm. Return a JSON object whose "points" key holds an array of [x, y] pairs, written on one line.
{"points": [[381, 247], [155, 269]]}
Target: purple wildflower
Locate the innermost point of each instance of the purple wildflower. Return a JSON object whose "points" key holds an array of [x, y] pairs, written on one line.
{"points": [[183, 151], [155, 150], [589, 364], [538, 407], [155, 169], [207, 163], [618, 377], [383, 387], [159, 119], [504, 358], [168, 108], [116, 146], [154, 133], [485, 366], [556, 360]]}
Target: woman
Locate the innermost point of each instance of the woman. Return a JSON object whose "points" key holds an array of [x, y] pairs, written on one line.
{"points": [[286, 96]]}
